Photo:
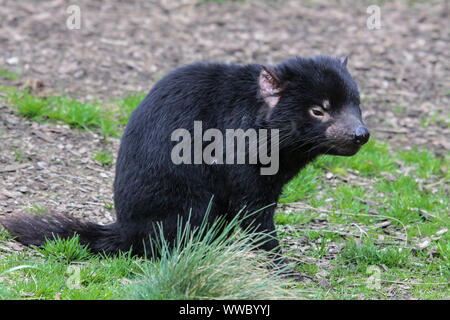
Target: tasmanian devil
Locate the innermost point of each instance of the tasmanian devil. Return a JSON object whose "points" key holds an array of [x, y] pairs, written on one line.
{"points": [[310, 105]]}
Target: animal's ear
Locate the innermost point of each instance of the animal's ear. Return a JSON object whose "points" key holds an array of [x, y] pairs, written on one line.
{"points": [[270, 86], [344, 60]]}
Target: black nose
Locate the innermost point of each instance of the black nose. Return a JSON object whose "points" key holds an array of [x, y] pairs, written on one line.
{"points": [[361, 135]]}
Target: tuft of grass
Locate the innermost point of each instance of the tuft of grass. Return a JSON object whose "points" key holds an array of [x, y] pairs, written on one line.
{"points": [[127, 106], [108, 205], [104, 157], [91, 115], [8, 75], [37, 209], [5, 235], [214, 261], [68, 250], [18, 154], [82, 115]]}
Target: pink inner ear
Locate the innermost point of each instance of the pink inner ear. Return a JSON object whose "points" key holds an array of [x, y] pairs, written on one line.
{"points": [[272, 101], [269, 88]]}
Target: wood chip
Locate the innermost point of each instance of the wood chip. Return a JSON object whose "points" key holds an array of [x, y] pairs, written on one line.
{"points": [[7, 194], [324, 283], [43, 136], [14, 167], [425, 243]]}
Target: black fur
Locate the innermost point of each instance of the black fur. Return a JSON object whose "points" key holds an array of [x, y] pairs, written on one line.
{"points": [[149, 188]]}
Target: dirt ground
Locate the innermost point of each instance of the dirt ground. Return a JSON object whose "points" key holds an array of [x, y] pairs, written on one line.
{"points": [[402, 69]]}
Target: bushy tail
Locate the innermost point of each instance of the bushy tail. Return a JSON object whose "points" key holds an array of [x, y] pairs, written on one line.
{"points": [[34, 230]]}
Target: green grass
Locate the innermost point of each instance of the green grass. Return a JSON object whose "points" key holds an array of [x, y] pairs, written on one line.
{"points": [[368, 253], [64, 250], [372, 160], [37, 209], [18, 154], [68, 274], [127, 105], [209, 262], [83, 115], [403, 188], [104, 157], [350, 216], [371, 262], [8, 75], [108, 120], [204, 264]]}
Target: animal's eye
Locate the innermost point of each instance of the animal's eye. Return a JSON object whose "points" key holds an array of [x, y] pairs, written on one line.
{"points": [[317, 112]]}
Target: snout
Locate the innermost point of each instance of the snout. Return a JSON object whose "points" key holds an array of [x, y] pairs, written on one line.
{"points": [[344, 140], [361, 135]]}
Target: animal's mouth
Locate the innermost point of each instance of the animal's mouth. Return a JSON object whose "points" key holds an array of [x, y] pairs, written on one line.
{"points": [[343, 149], [347, 144]]}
